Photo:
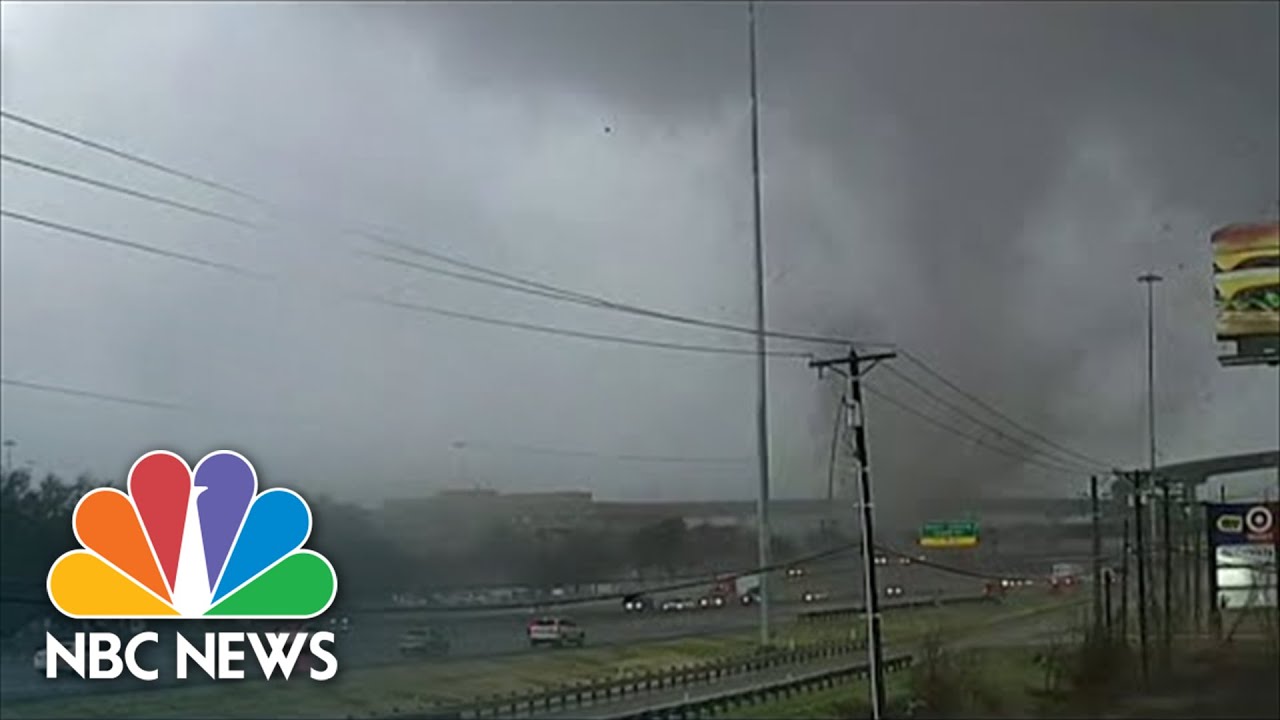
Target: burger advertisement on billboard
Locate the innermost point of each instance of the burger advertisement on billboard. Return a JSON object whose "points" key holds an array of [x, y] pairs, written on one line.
{"points": [[1246, 285]]}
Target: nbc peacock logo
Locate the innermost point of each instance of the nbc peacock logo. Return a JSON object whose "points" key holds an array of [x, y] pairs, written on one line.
{"points": [[186, 543]]}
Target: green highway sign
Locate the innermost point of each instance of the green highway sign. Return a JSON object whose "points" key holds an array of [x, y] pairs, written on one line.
{"points": [[963, 533]]}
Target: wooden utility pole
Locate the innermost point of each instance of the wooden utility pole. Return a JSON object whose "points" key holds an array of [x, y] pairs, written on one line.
{"points": [[856, 419]]}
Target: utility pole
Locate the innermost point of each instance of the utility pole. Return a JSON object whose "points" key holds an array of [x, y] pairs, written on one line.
{"points": [[1197, 570], [764, 536], [1124, 583], [1188, 558], [1139, 534], [1097, 555], [8, 454], [1106, 607], [1167, 627], [856, 418]]}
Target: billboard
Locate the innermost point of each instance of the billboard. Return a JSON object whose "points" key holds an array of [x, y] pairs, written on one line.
{"points": [[1246, 292]]}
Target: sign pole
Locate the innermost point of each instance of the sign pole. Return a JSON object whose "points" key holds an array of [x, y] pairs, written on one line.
{"points": [[1211, 557]]}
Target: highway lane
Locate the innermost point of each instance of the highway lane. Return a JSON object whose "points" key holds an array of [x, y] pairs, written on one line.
{"points": [[1018, 631], [373, 639]]}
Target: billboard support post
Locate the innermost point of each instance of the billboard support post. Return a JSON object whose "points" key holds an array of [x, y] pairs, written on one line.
{"points": [[1211, 566]]}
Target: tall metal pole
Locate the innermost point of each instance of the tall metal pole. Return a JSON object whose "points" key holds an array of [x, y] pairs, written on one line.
{"points": [[763, 534]]}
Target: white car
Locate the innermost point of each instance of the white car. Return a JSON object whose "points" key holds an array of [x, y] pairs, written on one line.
{"points": [[893, 591], [557, 632]]}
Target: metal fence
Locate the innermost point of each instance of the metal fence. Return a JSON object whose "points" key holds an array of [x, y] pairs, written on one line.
{"points": [[589, 692], [713, 705], [841, 613]]}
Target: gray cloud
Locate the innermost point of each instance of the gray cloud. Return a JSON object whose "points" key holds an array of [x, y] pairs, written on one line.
{"points": [[979, 183]]}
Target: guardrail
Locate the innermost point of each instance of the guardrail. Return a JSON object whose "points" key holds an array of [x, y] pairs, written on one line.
{"points": [[847, 610], [587, 692], [712, 705]]}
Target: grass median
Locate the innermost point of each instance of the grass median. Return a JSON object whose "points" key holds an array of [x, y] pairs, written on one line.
{"points": [[384, 691]]}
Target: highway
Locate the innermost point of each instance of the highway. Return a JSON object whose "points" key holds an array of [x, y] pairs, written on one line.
{"points": [[373, 638], [1020, 631]]}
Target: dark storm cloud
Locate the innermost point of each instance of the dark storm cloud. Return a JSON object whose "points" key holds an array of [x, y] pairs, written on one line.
{"points": [[980, 183]]}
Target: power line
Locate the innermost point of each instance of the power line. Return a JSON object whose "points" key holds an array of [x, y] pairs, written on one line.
{"points": [[986, 406], [538, 450], [74, 392], [113, 187], [412, 307], [974, 438], [123, 155], [514, 282], [161, 405], [983, 424], [121, 242]]}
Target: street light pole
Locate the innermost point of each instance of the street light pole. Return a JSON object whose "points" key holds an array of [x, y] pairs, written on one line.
{"points": [[8, 454], [763, 534]]}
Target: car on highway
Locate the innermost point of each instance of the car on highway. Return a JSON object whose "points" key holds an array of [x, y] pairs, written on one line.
{"points": [[893, 591], [881, 560], [711, 602], [556, 632], [677, 604], [795, 572], [340, 625], [637, 603], [813, 596], [40, 660], [750, 597], [424, 641]]}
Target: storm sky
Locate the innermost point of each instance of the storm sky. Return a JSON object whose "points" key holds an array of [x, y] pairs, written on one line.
{"points": [[978, 184]]}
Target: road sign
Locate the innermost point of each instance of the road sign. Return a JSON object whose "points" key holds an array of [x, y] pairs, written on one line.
{"points": [[1243, 523], [962, 533]]}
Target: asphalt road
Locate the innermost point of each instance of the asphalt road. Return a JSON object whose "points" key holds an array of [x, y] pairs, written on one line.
{"points": [[373, 639]]}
